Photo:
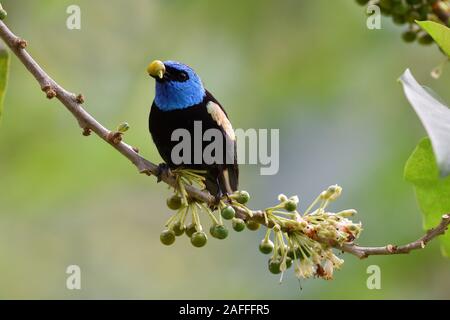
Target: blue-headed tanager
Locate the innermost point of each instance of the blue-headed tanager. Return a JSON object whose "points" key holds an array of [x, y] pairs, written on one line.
{"points": [[180, 101]]}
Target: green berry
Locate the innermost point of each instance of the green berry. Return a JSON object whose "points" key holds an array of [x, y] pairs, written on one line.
{"points": [[199, 239], [191, 229], [385, 4], [3, 13], [266, 246], [274, 266], [167, 237], [290, 206], [174, 202], [228, 213], [413, 16], [424, 11], [243, 197], [398, 19], [290, 253], [409, 36], [400, 8], [178, 228], [288, 262], [425, 39], [238, 224], [219, 231], [362, 2], [252, 225]]}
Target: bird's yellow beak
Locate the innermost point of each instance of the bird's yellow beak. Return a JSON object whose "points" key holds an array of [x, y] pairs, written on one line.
{"points": [[156, 69]]}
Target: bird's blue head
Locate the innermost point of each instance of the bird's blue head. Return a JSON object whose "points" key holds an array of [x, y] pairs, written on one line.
{"points": [[177, 85]]}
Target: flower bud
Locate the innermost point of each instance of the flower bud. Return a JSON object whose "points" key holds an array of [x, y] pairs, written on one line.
{"points": [[347, 213], [123, 127], [3, 13], [332, 193]]}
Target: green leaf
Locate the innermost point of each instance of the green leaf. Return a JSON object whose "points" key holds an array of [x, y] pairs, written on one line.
{"points": [[435, 117], [432, 192], [439, 32], [4, 66]]}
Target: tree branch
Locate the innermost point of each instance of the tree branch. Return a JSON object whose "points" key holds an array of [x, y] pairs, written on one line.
{"points": [[88, 123], [364, 252]]}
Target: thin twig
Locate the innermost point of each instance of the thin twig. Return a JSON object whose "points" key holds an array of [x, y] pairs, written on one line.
{"points": [[88, 123], [364, 252]]}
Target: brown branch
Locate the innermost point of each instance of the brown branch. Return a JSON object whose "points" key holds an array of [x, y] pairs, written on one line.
{"points": [[86, 121], [364, 252], [89, 124]]}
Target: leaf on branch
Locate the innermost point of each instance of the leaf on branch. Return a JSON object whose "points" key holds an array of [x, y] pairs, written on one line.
{"points": [[439, 32], [435, 117], [427, 169], [432, 192], [4, 66]]}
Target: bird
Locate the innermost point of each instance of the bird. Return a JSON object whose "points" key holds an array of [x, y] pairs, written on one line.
{"points": [[181, 101]]}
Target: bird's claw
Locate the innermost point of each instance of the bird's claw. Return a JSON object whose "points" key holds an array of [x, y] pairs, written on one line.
{"points": [[217, 199], [220, 197], [163, 169]]}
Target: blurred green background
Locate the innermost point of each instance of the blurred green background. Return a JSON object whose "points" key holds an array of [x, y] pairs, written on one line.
{"points": [[310, 68]]}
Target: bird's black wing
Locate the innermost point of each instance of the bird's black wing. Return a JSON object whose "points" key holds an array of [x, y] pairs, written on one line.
{"points": [[229, 171]]}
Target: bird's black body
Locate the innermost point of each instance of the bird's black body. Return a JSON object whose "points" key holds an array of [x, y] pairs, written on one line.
{"points": [[221, 178]]}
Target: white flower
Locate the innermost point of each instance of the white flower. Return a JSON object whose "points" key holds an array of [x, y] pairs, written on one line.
{"points": [[304, 269], [337, 262], [294, 199], [327, 270]]}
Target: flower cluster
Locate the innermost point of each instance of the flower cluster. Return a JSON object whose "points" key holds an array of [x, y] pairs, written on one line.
{"points": [[302, 240], [306, 240]]}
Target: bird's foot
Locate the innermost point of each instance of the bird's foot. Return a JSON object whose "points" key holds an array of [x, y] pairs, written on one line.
{"points": [[217, 199], [163, 170]]}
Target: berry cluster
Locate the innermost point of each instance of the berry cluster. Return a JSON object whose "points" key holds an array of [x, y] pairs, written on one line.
{"points": [[180, 202], [408, 11], [176, 225]]}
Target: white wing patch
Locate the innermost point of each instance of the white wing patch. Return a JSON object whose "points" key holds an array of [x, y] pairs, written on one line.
{"points": [[220, 118]]}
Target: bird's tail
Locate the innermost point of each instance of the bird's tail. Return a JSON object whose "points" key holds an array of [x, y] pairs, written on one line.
{"points": [[223, 180], [228, 179]]}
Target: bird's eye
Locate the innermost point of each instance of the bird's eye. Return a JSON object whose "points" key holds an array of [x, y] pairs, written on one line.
{"points": [[183, 76]]}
